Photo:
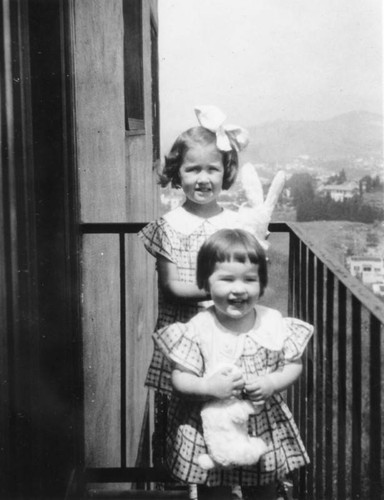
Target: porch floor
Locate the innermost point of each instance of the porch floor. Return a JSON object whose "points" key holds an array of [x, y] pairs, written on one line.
{"points": [[106, 494], [138, 495]]}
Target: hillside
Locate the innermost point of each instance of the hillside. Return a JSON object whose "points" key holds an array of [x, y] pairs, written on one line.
{"points": [[358, 133], [338, 237]]}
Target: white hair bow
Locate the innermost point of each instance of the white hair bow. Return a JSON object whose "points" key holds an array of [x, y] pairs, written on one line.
{"points": [[228, 136]]}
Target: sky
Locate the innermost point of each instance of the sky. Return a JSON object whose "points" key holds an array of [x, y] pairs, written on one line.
{"points": [[267, 60]]}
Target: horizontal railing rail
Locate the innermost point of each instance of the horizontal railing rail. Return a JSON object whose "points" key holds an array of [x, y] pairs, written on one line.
{"points": [[337, 401]]}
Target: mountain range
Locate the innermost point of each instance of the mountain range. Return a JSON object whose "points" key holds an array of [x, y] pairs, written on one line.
{"points": [[358, 133]]}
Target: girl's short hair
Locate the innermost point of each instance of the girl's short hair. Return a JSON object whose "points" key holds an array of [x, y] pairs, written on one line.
{"points": [[230, 245], [185, 141]]}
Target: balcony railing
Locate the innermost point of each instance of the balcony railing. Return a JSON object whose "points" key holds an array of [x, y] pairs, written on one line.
{"points": [[338, 401]]}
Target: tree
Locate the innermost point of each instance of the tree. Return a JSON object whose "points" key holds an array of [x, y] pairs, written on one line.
{"points": [[342, 177], [302, 188], [339, 178], [372, 239]]}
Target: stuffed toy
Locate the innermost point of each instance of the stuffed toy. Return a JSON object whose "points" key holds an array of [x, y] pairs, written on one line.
{"points": [[255, 214], [225, 428]]}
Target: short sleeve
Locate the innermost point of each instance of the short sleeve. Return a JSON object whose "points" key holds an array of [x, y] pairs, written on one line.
{"points": [[298, 334], [156, 239], [179, 344]]}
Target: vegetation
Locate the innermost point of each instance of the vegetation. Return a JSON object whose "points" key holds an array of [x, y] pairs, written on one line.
{"points": [[325, 208], [338, 178], [312, 207]]}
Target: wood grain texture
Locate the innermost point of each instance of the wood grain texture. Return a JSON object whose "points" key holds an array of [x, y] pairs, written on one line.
{"points": [[141, 311], [101, 347], [117, 184], [100, 109]]}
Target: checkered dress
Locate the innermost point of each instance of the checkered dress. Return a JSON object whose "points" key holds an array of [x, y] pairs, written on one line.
{"points": [[180, 247], [273, 422]]}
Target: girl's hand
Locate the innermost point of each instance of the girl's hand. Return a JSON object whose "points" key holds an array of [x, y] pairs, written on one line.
{"points": [[264, 387], [224, 384], [260, 389]]}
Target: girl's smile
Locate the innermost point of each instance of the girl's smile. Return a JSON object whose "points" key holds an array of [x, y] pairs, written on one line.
{"points": [[235, 289], [201, 175]]}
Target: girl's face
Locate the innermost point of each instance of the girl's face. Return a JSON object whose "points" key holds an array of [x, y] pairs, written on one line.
{"points": [[235, 289], [201, 174]]}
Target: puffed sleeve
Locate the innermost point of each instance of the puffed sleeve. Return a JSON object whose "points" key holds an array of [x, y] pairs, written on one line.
{"points": [[156, 239], [298, 334], [179, 344]]}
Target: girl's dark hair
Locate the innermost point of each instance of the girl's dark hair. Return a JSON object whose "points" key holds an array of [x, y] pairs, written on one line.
{"points": [[185, 141], [230, 245]]}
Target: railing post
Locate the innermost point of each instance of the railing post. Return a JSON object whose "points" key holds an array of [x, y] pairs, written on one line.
{"points": [[329, 465], [342, 392], [356, 399], [303, 473], [319, 345], [375, 470], [310, 375]]}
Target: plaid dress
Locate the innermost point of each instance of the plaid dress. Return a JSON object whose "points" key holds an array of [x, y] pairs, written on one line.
{"points": [[272, 342], [178, 236]]}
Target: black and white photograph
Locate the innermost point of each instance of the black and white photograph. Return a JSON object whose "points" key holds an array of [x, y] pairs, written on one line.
{"points": [[191, 250]]}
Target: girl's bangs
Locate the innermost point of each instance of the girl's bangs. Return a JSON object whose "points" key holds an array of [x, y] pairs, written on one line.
{"points": [[240, 252]]}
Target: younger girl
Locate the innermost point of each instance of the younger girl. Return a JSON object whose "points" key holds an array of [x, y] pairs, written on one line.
{"points": [[202, 161], [232, 268]]}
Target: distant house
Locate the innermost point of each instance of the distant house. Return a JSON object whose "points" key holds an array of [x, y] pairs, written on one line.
{"points": [[367, 268], [340, 192], [378, 289]]}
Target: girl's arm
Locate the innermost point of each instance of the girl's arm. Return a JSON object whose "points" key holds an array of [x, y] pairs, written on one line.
{"points": [[264, 387], [222, 384], [173, 287]]}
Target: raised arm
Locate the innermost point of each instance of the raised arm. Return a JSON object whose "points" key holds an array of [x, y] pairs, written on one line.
{"points": [[173, 287]]}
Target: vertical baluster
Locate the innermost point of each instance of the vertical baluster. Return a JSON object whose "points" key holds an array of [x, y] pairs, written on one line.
{"points": [[291, 290], [291, 274], [297, 277], [298, 288], [311, 287], [303, 379], [375, 410], [295, 312], [303, 281], [342, 392], [310, 375], [356, 398], [319, 380], [329, 385], [123, 322]]}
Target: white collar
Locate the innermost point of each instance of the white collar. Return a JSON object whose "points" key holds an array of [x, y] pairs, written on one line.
{"points": [[271, 335], [186, 223]]}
